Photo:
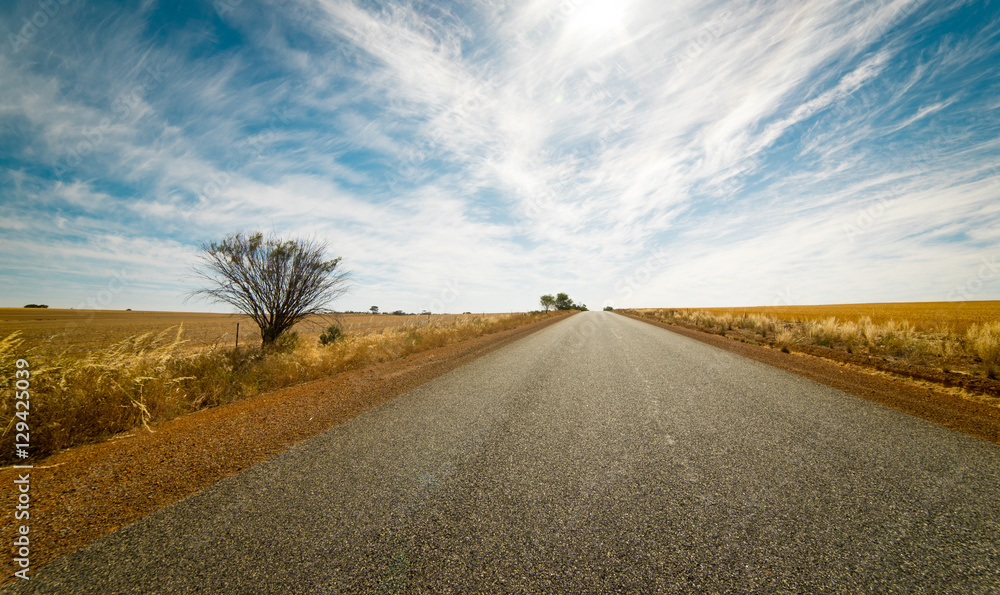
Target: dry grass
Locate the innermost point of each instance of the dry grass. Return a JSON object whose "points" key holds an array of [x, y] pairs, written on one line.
{"points": [[154, 376], [984, 340], [924, 316], [931, 341]]}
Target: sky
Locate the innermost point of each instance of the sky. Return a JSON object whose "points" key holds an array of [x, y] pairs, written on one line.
{"points": [[472, 156]]}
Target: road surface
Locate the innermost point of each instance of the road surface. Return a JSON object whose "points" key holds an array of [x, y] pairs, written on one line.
{"points": [[598, 455]]}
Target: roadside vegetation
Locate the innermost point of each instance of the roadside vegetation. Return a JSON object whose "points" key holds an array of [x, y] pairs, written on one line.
{"points": [[151, 377], [154, 376], [975, 351]]}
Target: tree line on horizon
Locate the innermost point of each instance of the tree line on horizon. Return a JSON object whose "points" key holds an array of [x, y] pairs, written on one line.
{"points": [[560, 301]]}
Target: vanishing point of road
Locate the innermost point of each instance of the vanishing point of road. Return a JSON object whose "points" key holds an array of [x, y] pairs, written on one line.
{"points": [[599, 455]]}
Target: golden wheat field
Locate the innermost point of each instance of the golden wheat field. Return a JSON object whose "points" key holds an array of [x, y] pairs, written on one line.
{"points": [[76, 332], [924, 316]]}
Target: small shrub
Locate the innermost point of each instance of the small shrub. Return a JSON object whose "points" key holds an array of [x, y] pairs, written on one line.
{"points": [[286, 343], [331, 334]]}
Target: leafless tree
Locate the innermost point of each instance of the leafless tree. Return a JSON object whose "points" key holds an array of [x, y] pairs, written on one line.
{"points": [[276, 282]]}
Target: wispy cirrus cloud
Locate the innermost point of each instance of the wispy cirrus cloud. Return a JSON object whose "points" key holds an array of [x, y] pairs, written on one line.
{"points": [[752, 152]]}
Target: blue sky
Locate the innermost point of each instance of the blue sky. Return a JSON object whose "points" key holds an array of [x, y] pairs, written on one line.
{"points": [[475, 155]]}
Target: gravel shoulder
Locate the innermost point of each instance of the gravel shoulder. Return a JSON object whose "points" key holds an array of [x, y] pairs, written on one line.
{"points": [[932, 401], [84, 493]]}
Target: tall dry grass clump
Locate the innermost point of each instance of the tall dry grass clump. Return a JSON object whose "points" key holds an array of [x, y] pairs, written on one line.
{"points": [[761, 323], [149, 378], [868, 331], [985, 342], [822, 332], [784, 339], [73, 400], [10, 348]]}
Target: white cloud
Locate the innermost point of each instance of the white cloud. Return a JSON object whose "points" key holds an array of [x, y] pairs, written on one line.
{"points": [[528, 147]]}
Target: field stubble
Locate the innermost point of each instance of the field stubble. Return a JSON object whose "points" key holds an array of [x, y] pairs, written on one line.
{"points": [[96, 374]]}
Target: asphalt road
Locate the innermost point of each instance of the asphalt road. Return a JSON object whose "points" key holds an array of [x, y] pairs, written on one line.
{"points": [[599, 455]]}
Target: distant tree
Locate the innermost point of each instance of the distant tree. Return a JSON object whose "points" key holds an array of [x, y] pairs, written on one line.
{"points": [[36, 306], [608, 309], [563, 302], [548, 302], [373, 309], [398, 313], [276, 282]]}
